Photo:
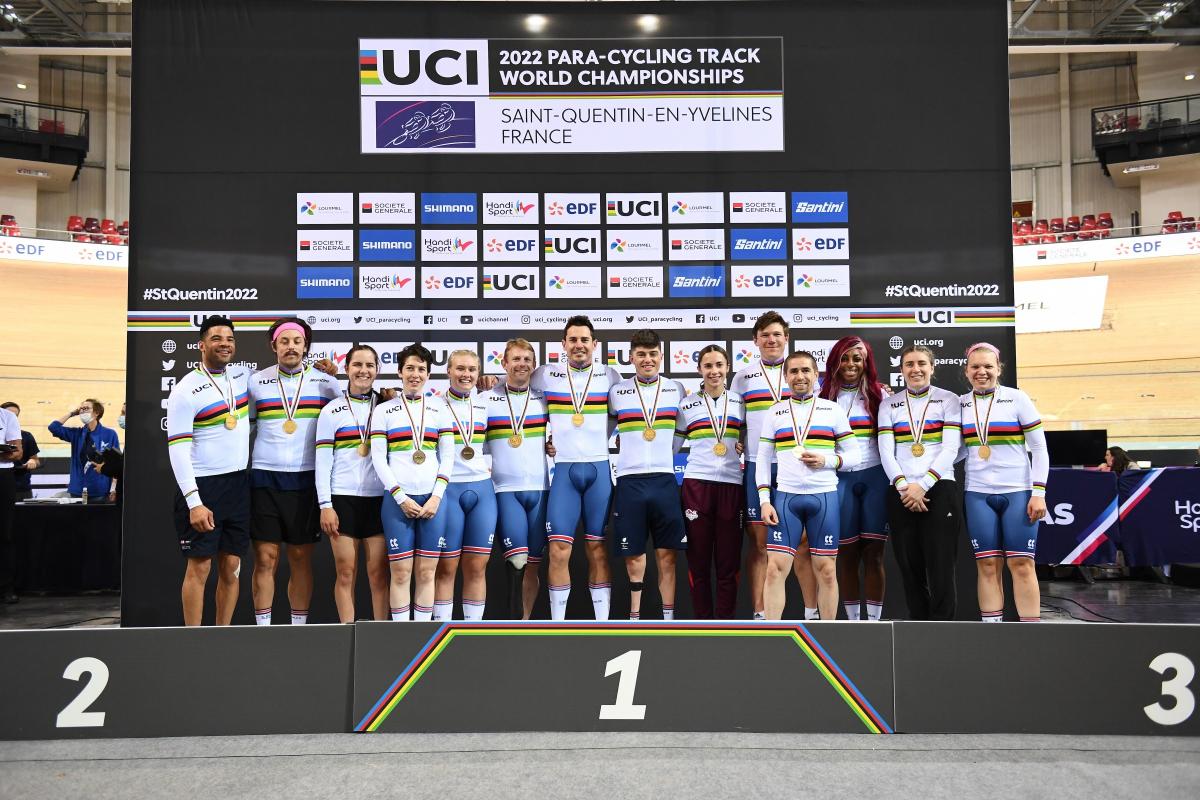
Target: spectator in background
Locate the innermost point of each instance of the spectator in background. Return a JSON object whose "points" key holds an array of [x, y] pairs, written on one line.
{"points": [[10, 438], [29, 460], [1116, 460], [88, 442]]}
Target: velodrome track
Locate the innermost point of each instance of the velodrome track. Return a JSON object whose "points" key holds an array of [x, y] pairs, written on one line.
{"points": [[1138, 375]]}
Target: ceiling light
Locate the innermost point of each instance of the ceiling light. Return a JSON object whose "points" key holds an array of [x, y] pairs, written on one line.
{"points": [[1140, 168], [1191, 76], [22, 86], [648, 23], [535, 23]]}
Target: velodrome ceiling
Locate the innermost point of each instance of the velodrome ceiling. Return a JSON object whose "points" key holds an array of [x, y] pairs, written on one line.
{"points": [[106, 23]]}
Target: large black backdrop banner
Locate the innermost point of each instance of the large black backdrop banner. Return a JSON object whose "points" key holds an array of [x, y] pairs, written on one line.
{"points": [[437, 172]]}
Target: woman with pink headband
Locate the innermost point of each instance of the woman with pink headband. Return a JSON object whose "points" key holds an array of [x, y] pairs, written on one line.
{"points": [[852, 382], [1005, 497]]}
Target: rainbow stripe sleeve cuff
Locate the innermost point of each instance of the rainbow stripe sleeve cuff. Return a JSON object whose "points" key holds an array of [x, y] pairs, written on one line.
{"points": [[397, 494], [439, 485], [928, 480], [764, 494], [1039, 489]]}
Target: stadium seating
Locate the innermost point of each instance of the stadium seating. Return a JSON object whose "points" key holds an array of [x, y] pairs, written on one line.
{"points": [[8, 225], [97, 231]]}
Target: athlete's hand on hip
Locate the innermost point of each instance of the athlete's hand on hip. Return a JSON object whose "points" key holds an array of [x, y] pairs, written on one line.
{"points": [[768, 514], [326, 366], [431, 506], [410, 508], [1036, 508], [813, 460], [329, 523], [201, 519]]}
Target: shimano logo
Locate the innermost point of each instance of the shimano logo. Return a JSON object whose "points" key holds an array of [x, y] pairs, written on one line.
{"points": [[458, 208], [306, 282], [387, 245]]}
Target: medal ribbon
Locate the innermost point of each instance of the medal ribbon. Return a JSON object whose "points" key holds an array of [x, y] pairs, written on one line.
{"points": [[807, 423], [418, 443], [362, 430], [469, 433], [917, 433], [581, 401], [518, 426], [649, 418], [712, 416], [229, 401], [290, 407], [982, 432], [776, 391]]}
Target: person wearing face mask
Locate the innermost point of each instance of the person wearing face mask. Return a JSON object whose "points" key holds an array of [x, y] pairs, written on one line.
{"points": [[851, 381], [919, 436], [1005, 498], [349, 492], [88, 442], [112, 464], [810, 439]]}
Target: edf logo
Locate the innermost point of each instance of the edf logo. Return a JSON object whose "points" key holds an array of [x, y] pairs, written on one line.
{"points": [[820, 243], [438, 67]]}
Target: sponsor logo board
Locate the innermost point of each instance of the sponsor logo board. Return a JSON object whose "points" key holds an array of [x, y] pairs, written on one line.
{"points": [[810, 207], [324, 208], [398, 282], [449, 282], [695, 208], [319, 282], [820, 243], [387, 208], [698, 244], [461, 244], [324, 245], [763, 280], [632, 244], [821, 280], [386, 245], [635, 281], [758, 207]]}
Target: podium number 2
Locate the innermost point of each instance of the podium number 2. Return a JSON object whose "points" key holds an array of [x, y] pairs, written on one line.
{"points": [[1176, 688], [627, 665], [76, 715]]}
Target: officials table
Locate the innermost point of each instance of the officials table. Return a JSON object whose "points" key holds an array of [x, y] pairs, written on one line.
{"points": [[69, 548]]}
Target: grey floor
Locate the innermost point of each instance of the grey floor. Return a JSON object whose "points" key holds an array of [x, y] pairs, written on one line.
{"points": [[492, 766]]}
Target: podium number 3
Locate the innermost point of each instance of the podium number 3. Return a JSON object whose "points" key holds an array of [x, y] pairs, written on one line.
{"points": [[627, 665], [1176, 688], [76, 714]]}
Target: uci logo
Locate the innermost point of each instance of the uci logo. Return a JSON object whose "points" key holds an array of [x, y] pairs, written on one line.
{"points": [[521, 283], [625, 391], [571, 244], [942, 316], [443, 67]]}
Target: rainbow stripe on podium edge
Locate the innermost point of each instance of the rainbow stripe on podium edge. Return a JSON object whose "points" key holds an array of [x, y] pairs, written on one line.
{"points": [[447, 632]]}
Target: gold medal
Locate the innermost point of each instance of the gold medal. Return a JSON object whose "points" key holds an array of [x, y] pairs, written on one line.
{"points": [[364, 449], [514, 440], [799, 453], [577, 419], [230, 422], [648, 434], [289, 426], [918, 449], [985, 452], [720, 449], [418, 456], [468, 453]]}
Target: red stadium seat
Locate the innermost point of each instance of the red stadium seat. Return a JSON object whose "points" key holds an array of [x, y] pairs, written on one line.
{"points": [[74, 223], [113, 238], [1187, 224], [1041, 226], [1087, 230], [91, 225], [81, 237], [7, 219], [108, 226], [123, 229], [1056, 225], [1072, 224], [1170, 225], [1175, 215]]}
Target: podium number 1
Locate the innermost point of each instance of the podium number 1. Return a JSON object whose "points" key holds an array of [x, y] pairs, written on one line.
{"points": [[627, 665]]}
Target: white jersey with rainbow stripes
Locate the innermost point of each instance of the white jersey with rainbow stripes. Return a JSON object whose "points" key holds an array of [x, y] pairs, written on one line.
{"points": [[854, 402], [828, 434], [392, 448], [198, 442], [342, 426], [589, 441], [274, 449], [940, 436], [522, 468], [630, 401], [754, 384], [695, 426], [467, 414], [1011, 426]]}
